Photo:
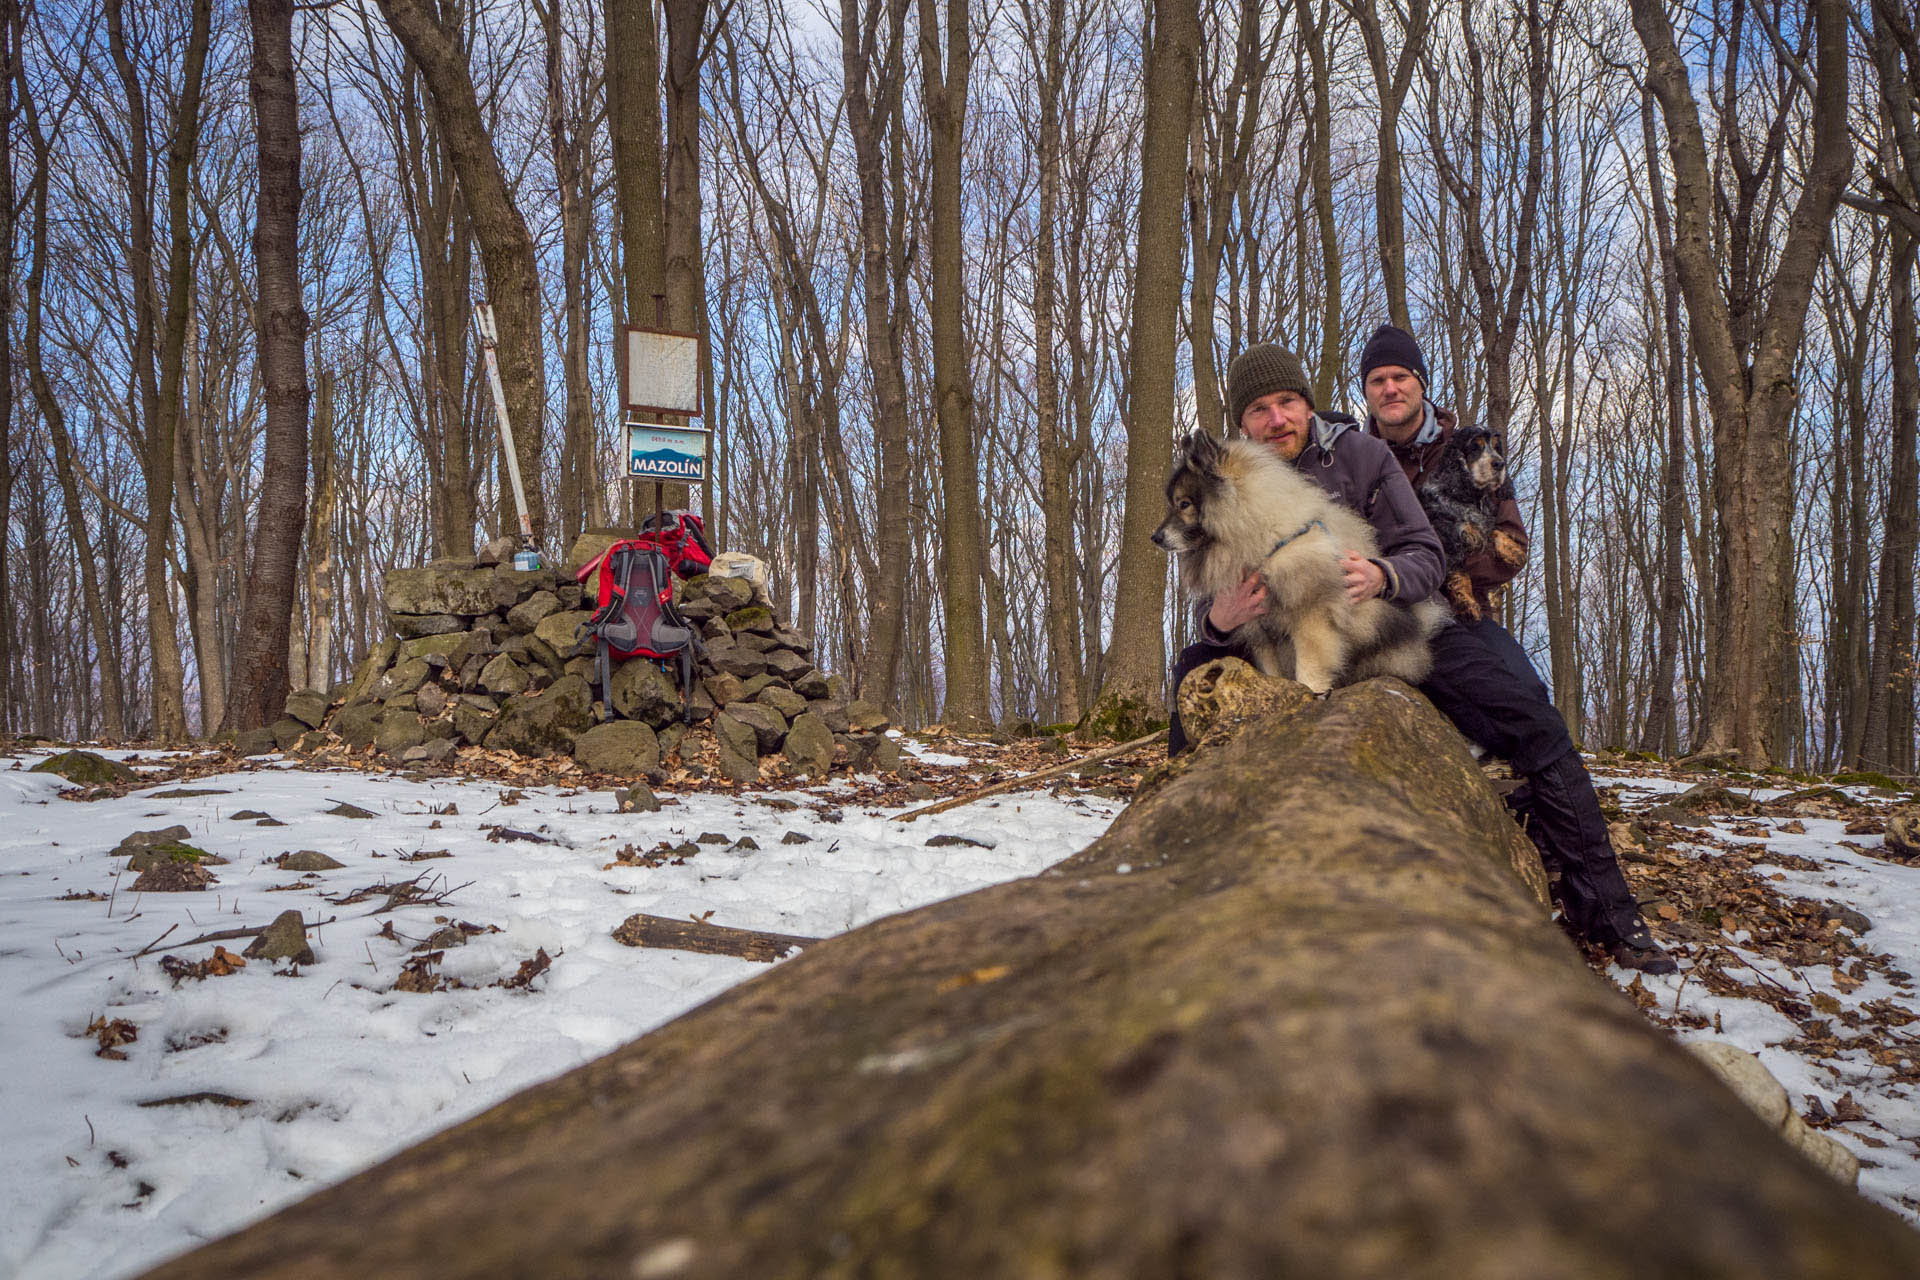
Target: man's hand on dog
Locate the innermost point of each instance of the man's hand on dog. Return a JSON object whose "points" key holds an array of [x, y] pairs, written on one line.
{"points": [[1363, 577], [1236, 608]]}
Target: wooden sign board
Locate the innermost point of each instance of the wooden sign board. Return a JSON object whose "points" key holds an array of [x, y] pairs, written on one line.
{"points": [[662, 371]]}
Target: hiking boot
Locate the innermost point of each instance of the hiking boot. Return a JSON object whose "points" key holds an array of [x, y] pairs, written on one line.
{"points": [[1639, 951]]}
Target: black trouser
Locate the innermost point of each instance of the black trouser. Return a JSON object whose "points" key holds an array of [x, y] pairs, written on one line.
{"points": [[1483, 682]]}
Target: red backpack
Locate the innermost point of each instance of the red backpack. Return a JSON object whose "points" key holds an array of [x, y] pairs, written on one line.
{"points": [[636, 617]]}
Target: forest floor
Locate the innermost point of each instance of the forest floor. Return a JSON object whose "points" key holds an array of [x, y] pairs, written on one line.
{"points": [[162, 1090]]}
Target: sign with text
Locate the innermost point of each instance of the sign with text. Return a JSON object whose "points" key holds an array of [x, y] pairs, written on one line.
{"points": [[663, 371], [656, 452]]}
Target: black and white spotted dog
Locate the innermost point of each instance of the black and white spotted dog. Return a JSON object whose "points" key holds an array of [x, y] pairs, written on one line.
{"points": [[1462, 497]]}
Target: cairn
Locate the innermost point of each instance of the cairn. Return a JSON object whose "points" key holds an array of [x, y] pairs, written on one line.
{"points": [[481, 654]]}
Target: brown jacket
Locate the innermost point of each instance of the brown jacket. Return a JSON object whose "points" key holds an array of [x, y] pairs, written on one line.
{"points": [[1488, 570]]}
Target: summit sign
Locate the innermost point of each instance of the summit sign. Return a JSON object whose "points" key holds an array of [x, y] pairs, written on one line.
{"points": [[656, 452]]}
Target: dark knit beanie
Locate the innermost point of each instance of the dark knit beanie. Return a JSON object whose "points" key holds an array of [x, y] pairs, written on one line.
{"points": [[1262, 370], [1389, 345]]}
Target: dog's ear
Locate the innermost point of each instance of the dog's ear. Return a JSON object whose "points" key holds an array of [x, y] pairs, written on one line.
{"points": [[1202, 449]]}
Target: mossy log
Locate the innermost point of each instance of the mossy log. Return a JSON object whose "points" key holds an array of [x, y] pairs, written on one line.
{"points": [[1295, 1015]]}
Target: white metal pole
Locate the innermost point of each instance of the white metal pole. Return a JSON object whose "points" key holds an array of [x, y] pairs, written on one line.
{"points": [[489, 339]]}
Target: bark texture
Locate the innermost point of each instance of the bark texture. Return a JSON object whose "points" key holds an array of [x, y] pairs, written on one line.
{"points": [[258, 687], [1318, 1029]]}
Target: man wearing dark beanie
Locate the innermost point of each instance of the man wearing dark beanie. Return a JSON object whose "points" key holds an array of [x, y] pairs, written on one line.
{"points": [[1484, 682]]}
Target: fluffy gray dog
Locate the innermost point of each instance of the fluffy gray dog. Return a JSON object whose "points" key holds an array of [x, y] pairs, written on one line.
{"points": [[1235, 507]]}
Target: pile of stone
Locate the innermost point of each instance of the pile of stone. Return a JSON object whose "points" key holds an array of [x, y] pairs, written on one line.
{"points": [[485, 655]]}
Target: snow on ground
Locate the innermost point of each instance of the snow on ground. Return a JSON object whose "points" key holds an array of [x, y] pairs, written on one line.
{"points": [[336, 1068], [1869, 1083]]}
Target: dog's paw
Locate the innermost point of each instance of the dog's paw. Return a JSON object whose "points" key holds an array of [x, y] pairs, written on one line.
{"points": [[1508, 550], [1459, 590], [1471, 536]]}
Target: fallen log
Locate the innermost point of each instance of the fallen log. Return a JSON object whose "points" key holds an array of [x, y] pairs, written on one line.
{"points": [[1295, 1015], [642, 930]]}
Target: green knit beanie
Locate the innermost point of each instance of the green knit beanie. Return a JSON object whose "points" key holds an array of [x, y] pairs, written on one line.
{"points": [[1261, 370]]}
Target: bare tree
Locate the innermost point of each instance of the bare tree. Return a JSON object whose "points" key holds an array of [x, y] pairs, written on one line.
{"points": [[1136, 666], [259, 684], [1748, 367]]}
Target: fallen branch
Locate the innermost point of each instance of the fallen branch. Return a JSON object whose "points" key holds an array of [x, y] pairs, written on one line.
{"points": [[1028, 779], [710, 939]]}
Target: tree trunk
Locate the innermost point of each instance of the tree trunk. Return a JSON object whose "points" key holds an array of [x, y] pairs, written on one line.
{"points": [[1136, 666], [158, 388], [506, 246], [1314, 17], [564, 140], [112, 694], [963, 545], [258, 691], [1747, 368], [1362, 1050], [871, 119], [1663, 728], [318, 671]]}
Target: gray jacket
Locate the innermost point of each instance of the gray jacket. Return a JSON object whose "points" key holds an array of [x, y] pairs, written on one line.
{"points": [[1360, 471]]}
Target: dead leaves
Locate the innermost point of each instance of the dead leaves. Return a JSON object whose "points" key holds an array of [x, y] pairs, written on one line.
{"points": [[218, 965], [111, 1033], [663, 854]]}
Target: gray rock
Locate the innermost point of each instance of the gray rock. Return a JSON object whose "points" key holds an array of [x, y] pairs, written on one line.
{"points": [[139, 840], [864, 717], [467, 591], [308, 860], [624, 747], [308, 706], [405, 701], [638, 798], [788, 664], [809, 747], [253, 742], [531, 651], [739, 748], [501, 548], [371, 668], [480, 702], [768, 725], [833, 713], [527, 614], [441, 728], [284, 939], [399, 730], [430, 700], [411, 626], [671, 736], [572, 595], [736, 661], [544, 724], [512, 586], [750, 687], [86, 768], [409, 674], [455, 648], [503, 676], [723, 688], [345, 810], [558, 631], [432, 751], [788, 703], [788, 638], [471, 723], [174, 877], [838, 689], [1850, 918], [642, 691], [173, 851], [726, 594], [754, 643], [357, 725], [794, 837], [810, 685], [287, 733]]}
